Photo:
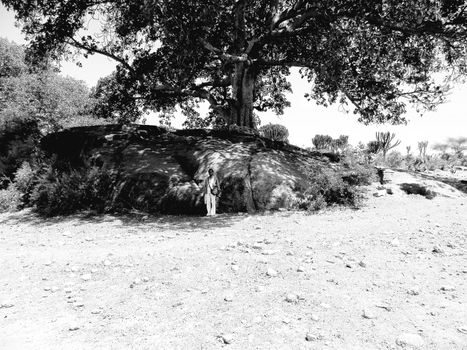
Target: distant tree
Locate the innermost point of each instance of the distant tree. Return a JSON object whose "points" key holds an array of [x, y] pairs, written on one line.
{"points": [[39, 93], [408, 148], [458, 145], [422, 146], [386, 141], [378, 56], [275, 132], [322, 142], [441, 147]]}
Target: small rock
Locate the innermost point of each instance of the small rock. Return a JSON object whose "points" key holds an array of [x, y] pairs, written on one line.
{"points": [[462, 329], [300, 269], [271, 272], [314, 317], [86, 277], [54, 289], [291, 298], [89, 239], [413, 291], [256, 246], [257, 319], [312, 337], [68, 290], [145, 279], [94, 270], [448, 288], [96, 311], [269, 252], [227, 338], [228, 297], [6, 305], [410, 340], [136, 281], [437, 250], [73, 328], [368, 314], [363, 263]]}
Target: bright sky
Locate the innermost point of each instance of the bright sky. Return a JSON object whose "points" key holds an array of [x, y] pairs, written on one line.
{"points": [[303, 119]]}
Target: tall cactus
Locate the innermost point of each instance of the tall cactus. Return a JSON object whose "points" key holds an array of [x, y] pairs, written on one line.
{"points": [[385, 140]]}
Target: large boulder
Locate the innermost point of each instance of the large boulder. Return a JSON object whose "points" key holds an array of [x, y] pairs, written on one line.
{"points": [[162, 171]]}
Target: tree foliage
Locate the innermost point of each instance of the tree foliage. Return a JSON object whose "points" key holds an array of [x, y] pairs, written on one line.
{"points": [[38, 93], [377, 56]]}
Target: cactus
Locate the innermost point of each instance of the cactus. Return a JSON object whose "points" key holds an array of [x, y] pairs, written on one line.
{"points": [[385, 139], [275, 132], [422, 146]]}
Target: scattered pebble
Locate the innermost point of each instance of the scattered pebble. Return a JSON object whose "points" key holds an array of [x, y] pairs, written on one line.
{"points": [[314, 317], [368, 314], [86, 277], [291, 298], [6, 305], [271, 272], [448, 288], [227, 338], [312, 337], [410, 340]]}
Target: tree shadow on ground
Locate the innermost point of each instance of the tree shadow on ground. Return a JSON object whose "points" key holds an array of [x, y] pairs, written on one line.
{"points": [[133, 220]]}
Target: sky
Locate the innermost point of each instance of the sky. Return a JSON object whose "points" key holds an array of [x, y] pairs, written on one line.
{"points": [[304, 119]]}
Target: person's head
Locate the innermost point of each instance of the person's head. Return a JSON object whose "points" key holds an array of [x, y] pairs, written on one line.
{"points": [[210, 172]]}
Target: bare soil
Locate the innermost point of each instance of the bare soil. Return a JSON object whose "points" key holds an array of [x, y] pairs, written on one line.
{"points": [[350, 279]]}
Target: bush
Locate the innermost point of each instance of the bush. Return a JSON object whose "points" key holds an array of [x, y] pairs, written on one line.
{"points": [[326, 188], [275, 132], [395, 159], [65, 193], [10, 198]]}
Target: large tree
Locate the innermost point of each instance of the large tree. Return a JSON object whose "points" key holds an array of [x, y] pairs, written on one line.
{"points": [[377, 56]]}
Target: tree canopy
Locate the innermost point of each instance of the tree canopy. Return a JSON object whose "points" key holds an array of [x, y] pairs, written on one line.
{"points": [[377, 57], [38, 94]]}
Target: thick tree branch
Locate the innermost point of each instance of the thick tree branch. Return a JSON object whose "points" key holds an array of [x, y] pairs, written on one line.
{"points": [[75, 43]]}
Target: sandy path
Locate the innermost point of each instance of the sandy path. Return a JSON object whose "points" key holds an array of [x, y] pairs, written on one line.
{"points": [[198, 279]]}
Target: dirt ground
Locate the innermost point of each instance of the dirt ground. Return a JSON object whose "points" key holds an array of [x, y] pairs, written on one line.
{"points": [[388, 276]]}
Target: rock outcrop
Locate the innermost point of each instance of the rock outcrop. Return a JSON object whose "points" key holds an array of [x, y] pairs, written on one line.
{"points": [[162, 171]]}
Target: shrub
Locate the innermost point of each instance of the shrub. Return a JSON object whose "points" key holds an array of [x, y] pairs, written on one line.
{"points": [[395, 159], [68, 192], [322, 142], [325, 188], [275, 132], [10, 198]]}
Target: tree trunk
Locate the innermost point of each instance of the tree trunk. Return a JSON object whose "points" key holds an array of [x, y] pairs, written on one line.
{"points": [[243, 95]]}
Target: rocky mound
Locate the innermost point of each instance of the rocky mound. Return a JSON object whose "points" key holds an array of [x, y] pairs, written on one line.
{"points": [[162, 171]]}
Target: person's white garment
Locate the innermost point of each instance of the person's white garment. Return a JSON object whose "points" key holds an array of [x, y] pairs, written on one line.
{"points": [[209, 198], [210, 203]]}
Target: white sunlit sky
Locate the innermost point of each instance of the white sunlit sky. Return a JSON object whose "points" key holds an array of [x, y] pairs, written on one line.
{"points": [[304, 118]]}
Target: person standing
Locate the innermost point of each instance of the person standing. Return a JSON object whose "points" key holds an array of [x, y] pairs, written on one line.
{"points": [[211, 191]]}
